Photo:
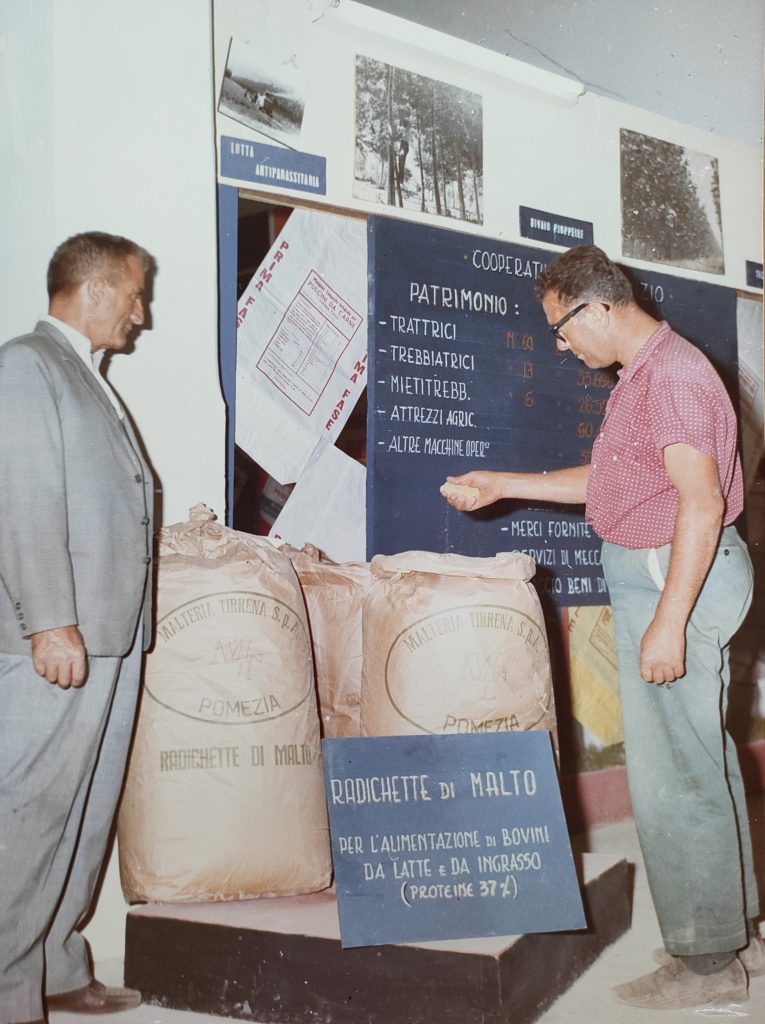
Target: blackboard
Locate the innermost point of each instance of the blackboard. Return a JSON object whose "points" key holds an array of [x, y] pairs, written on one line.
{"points": [[464, 374], [444, 837]]}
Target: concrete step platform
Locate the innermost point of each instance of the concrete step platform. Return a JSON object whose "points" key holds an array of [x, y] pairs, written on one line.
{"points": [[279, 961]]}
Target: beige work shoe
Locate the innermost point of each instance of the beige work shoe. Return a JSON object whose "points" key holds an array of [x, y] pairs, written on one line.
{"points": [[675, 987], [751, 956]]}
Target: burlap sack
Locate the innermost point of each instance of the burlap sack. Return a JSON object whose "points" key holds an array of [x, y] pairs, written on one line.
{"points": [[333, 595], [454, 645], [224, 796]]}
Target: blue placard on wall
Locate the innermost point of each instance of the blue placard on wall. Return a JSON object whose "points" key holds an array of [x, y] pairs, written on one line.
{"points": [[439, 837], [552, 227], [464, 374], [272, 165], [753, 274]]}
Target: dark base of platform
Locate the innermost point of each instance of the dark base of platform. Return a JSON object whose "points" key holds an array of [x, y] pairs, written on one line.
{"points": [[279, 961]]}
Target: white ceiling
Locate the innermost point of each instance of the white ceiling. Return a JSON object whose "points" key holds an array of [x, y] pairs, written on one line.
{"points": [[696, 61]]}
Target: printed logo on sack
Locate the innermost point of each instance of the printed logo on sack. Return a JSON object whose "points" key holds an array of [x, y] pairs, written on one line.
{"points": [[233, 658], [470, 669]]}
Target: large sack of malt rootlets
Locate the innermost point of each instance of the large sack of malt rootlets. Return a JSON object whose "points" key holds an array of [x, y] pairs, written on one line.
{"points": [[454, 645], [224, 796], [333, 595]]}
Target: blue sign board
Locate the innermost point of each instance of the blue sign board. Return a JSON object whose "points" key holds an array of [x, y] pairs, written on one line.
{"points": [[272, 165], [443, 837], [553, 228], [464, 374], [753, 274]]}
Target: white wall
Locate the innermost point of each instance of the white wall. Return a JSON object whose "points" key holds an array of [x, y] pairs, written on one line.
{"points": [[26, 154], [106, 116], [693, 63], [548, 142]]}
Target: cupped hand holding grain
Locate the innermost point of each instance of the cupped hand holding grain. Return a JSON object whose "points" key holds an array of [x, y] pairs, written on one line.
{"points": [[471, 490]]}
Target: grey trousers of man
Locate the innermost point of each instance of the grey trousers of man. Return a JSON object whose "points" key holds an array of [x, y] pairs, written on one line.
{"points": [[62, 762], [684, 776]]}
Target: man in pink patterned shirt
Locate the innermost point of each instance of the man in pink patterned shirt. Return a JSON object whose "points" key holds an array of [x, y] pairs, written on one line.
{"points": [[663, 489]]}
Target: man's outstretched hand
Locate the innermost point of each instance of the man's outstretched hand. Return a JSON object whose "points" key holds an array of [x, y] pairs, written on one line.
{"points": [[473, 490]]}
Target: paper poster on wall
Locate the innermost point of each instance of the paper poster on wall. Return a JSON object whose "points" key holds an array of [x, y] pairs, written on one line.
{"points": [[302, 341], [419, 142], [264, 91], [670, 204], [326, 507], [594, 672]]}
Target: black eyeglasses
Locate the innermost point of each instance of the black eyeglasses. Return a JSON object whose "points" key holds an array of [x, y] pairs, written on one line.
{"points": [[555, 328]]}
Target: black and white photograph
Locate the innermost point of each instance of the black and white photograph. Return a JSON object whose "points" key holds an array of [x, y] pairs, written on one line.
{"points": [[419, 142], [670, 204], [263, 93]]}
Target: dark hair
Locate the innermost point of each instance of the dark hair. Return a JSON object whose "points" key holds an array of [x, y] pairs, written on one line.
{"points": [[90, 254], [585, 274]]}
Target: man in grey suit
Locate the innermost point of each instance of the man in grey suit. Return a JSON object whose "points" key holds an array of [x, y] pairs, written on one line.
{"points": [[75, 568]]}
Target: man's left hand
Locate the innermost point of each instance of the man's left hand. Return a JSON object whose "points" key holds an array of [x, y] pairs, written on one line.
{"points": [[662, 653]]}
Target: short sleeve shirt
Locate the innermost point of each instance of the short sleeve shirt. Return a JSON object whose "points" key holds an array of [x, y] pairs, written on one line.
{"points": [[669, 394]]}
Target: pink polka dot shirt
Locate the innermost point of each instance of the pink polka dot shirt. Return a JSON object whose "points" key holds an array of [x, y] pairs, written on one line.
{"points": [[670, 393]]}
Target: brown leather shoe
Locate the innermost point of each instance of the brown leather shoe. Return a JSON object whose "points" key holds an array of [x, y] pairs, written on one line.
{"points": [[95, 998]]}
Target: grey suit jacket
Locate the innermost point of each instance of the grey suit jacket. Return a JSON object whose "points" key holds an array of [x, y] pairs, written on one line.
{"points": [[75, 503]]}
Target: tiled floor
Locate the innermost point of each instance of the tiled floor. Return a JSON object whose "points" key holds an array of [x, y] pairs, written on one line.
{"points": [[589, 1000]]}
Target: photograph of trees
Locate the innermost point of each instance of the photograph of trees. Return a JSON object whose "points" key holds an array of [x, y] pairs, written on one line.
{"points": [[670, 204], [419, 142]]}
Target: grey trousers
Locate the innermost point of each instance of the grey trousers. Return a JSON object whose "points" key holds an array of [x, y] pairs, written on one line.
{"points": [[684, 777], [62, 762]]}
